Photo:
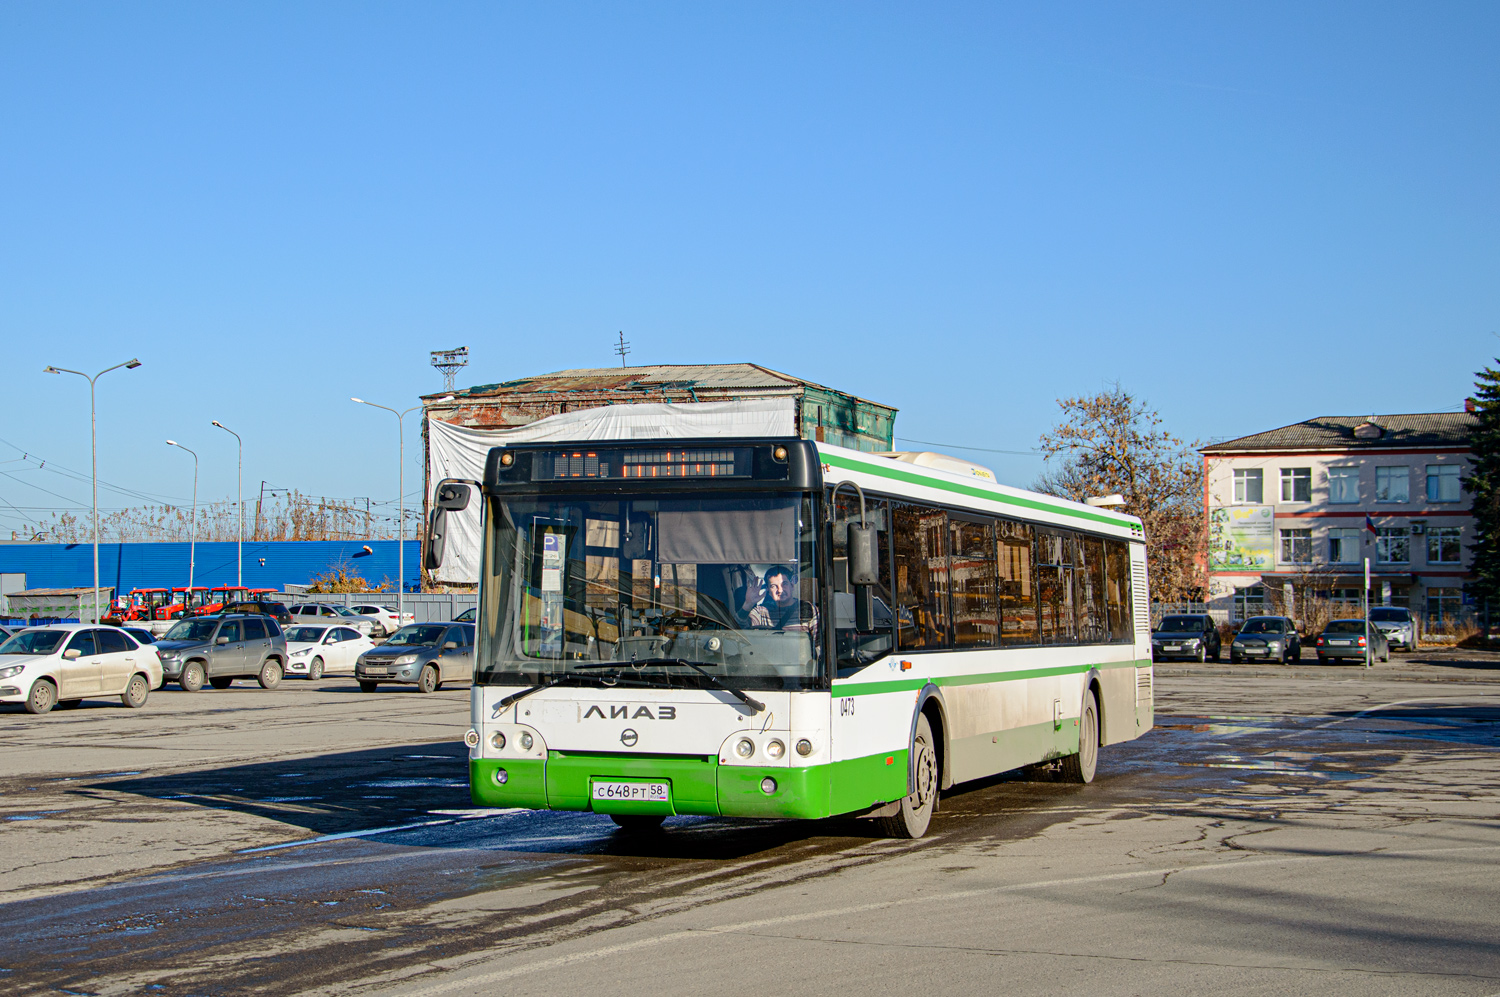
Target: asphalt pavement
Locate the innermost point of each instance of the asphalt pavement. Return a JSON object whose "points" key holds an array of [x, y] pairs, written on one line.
{"points": [[1277, 833]]}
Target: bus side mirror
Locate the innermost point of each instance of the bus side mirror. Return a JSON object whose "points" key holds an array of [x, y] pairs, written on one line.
{"points": [[452, 496], [864, 573]]}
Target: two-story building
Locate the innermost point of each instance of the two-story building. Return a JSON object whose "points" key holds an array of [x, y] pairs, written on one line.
{"points": [[1288, 508]]}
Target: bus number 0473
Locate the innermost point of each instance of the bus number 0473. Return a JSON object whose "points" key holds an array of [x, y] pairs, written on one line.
{"points": [[846, 707]]}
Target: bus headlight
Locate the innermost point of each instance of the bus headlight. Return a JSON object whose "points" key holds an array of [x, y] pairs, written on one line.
{"points": [[526, 740], [471, 737], [775, 749], [745, 748], [497, 741], [768, 785], [804, 747], [501, 777]]}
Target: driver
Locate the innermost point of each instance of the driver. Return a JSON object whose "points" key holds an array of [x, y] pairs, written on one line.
{"points": [[781, 609]]}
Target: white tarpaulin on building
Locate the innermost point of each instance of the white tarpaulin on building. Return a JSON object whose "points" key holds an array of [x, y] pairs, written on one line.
{"points": [[460, 452]]}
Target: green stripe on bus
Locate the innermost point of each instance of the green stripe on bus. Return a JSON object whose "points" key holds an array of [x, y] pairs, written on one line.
{"points": [[911, 685], [900, 474]]}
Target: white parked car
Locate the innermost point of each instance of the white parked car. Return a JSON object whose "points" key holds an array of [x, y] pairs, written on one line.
{"points": [[322, 612], [385, 616], [318, 649], [64, 664]]}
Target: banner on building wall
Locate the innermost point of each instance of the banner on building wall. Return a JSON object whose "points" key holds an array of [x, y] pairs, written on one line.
{"points": [[1242, 538]]}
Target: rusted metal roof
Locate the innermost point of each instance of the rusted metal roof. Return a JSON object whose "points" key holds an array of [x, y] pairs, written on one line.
{"points": [[655, 379]]}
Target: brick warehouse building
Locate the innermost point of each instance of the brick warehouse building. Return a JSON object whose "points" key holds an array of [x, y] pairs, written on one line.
{"points": [[1287, 508]]}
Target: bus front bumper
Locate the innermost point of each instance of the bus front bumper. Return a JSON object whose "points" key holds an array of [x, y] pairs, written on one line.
{"points": [[564, 781]]}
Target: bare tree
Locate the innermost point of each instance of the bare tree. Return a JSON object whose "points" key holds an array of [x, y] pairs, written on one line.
{"points": [[1113, 443], [289, 516]]}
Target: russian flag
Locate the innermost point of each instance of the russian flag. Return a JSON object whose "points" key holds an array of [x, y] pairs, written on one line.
{"points": [[1370, 525]]}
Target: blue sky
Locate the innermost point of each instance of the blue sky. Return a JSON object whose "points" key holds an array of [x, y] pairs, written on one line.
{"points": [[1247, 214]]}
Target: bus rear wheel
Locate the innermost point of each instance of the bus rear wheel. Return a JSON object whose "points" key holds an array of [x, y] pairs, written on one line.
{"points": [[1080, 767], [638, 822], [916, 810]]}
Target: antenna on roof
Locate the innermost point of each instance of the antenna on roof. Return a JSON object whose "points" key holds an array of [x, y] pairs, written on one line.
{"points": [[622, 349], [450, 362]]}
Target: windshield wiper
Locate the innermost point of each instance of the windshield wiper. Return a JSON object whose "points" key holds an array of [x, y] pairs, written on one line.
{"points": [[739, 694], [513, 697]]}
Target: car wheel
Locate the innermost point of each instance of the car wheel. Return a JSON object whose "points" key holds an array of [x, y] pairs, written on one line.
{"points": [[192, 677], [270, 675], [1202, 655], [136, 692], [43, 696], [1234, 659], [315, 670], [1218, 654], [428, 680], [1297, 655], [368, 686]]}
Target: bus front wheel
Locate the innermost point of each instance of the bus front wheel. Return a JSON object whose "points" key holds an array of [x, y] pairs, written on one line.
{"points": [[1080, 767], [916, 810]]}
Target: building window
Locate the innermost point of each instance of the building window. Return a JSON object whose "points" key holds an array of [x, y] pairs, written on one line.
{"points": [[1346, 597], [1249, 486], [1296, 484], [1443, 546], [1343, 484], [1442, 483], [1249, 601], [1443, 604], [1393, 484], [1344, 546], [1393, 545], [1296, 546]]}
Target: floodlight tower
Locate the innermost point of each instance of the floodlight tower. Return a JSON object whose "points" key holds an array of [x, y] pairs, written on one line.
{"points": [[450, 362]]}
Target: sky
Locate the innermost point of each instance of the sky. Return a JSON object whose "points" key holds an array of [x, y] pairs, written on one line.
{"points": [[1246, 214]]}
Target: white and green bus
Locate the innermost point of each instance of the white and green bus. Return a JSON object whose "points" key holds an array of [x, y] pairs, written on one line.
{"points": [[780, 628]]}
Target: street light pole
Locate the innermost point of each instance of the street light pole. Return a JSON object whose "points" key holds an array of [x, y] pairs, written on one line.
{"points": [[400, 502], [130, 364], [239, 573], [193, 535]]}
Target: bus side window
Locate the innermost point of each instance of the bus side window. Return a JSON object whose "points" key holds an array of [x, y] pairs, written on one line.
{"points": [[1017, 591], [920, 576], [1090, 583], [1117, 587]]}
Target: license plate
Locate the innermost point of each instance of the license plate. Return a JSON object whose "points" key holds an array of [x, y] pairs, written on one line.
{"points": [[1172, 647], [645, 792], [377, 671], [1341, 643]]}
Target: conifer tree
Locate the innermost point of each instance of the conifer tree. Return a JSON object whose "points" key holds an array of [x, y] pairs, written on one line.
{"points": [[1483, 483]]}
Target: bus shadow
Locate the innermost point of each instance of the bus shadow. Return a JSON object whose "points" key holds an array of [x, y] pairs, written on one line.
{"points": [[417, 795]]}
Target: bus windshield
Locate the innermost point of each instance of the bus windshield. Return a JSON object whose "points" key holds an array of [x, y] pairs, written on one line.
{"points": [[655, 583]]}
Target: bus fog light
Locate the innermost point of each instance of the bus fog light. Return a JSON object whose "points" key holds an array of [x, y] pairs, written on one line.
{"points": [[768, 785], [526, 741], [775, 749], [501, 777], [745, 748], [804, 747], [471, 738], [497, 741]]}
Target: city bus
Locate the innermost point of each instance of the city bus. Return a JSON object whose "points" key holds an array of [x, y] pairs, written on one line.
{"points": [[780, 628]]}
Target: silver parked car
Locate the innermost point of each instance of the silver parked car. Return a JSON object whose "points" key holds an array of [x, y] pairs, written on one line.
{"points": [[1396, 625], [323, 612], [422, 654], [220, 649]]}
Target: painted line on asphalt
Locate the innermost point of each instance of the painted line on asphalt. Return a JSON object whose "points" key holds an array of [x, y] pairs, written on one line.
{"points": [[558, 962]]}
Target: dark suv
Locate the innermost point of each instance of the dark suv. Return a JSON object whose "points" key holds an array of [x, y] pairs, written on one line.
{"points": [[1192, 635], [260, 607], [219, 649]]}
